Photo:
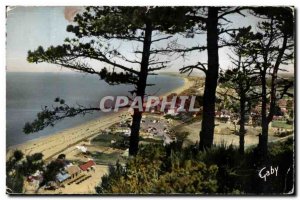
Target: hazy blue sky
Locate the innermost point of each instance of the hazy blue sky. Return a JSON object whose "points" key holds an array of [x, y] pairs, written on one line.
{"points": [[30, 27]]}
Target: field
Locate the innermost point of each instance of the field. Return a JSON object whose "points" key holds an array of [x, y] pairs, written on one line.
{"points": [[281, 124]]}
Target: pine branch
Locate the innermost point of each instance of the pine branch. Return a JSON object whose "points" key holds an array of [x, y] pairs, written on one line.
{"points": [[151, 69], [49, 117], [189, 68], [160, 39], [236, 10]]}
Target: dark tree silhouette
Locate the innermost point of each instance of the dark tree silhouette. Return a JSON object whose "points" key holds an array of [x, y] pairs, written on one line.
{"points": [[212, 20], [242, 77], [96, 29], [272, 53], [18, 167]]}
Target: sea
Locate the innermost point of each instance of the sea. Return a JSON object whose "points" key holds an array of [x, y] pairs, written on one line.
{"points": [[27, 93]]}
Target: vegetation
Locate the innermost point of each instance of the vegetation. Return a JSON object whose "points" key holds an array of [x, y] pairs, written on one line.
{"points": [[107, 158], [94, 31], [151, 171], [241, 78], [259, 54], [272, 53], [267, 50], [18, 167], [105, 140], [51, 171], [220, 170], [281, 124], [120, 141]]}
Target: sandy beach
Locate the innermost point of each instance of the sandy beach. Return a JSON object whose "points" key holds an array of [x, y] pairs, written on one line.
{"points": [[56, 143]]}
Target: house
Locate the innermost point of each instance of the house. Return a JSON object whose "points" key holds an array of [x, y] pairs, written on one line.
{"points": [[282, 103], [73, 170], [275, 117], [167, 140], [259, 105], [82, 149], [218, 113], [62, 176], [125, 153], [35, 179], [127, 132], [121, 129], [172, 112], [86, 166]]}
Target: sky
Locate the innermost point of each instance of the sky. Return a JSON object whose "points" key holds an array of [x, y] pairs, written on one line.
{"points": [[30, 27]]}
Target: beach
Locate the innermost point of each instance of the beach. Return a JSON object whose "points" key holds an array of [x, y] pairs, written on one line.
{"points": [[52, 145]]}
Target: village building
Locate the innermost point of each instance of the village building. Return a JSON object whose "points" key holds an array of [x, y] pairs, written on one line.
{"points": [[87, 166], [73, 170], [62, 176], [35, 179], [125, 131]]}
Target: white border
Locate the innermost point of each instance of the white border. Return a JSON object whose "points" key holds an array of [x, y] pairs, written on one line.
{"points": [[4, 3]]}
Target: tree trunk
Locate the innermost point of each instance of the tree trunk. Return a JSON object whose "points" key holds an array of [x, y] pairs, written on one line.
{"points": [[274, 78], [263, 139], [242, 124], [268, 117], [134, 136], [209, 98], [140, 92]]}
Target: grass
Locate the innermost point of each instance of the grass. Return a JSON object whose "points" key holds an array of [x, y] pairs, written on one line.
{"points": [[121, 142], [281, 124], [219, 170], [104, 140], [151, 140], [107, 158]]}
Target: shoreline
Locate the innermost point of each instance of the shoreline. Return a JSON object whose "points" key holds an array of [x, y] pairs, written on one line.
{"points": [[55, 143]]}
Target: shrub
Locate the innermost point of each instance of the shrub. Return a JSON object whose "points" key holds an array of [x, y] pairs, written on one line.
{"points": [[146, 173], [191, 177], [17, 168], [219, 170]]}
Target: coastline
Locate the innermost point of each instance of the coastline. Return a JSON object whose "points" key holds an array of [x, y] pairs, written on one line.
{"points": [[52, 145]]}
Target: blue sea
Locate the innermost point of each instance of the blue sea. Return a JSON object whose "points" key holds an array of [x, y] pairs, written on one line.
{"points": [[26, 93]]}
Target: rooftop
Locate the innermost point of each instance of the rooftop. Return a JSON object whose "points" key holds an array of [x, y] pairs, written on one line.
{"points": [[72, 169], [62, 176], [87, 165]]}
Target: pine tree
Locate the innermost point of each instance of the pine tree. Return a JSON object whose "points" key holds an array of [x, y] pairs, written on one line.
{"points": [[96, 29], [273, 52], [242, 77], [211, 21]]}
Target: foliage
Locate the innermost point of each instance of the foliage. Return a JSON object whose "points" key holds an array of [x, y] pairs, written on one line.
{"points": [[180, 137], [33, 162], [190, 177], [281, 124], [107, 158], [120, 140], [18, 166], [272, 54], [219, 170], [59, 111], [168, 116], [18, 155], [14, 183], [51, 171], [95, 31], [147, 173], [239, 173]]}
